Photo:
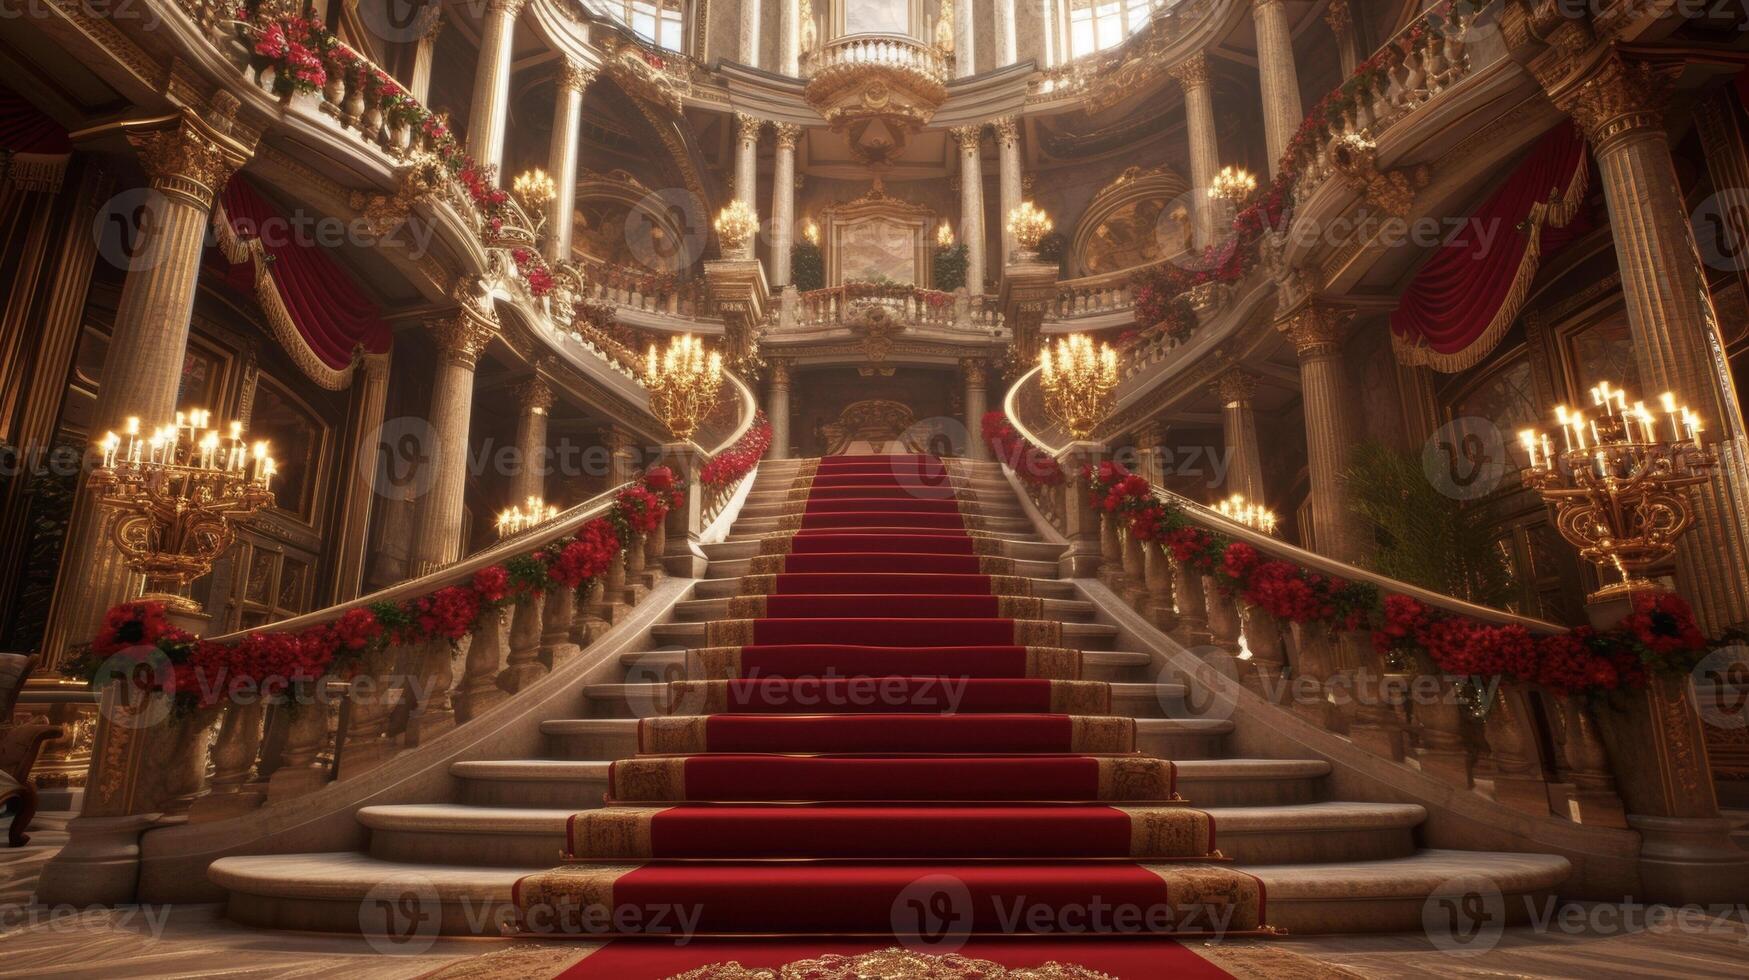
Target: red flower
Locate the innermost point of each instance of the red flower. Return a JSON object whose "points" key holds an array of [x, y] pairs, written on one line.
{"points": [[134, 624], [492, 583], [1663, 623]]}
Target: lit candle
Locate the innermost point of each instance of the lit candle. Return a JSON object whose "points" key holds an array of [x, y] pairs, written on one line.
{"points": [[1562, 418], [1548, 452], [267, 473], [110, 442], [1527, 439], [1578, 423], [1668, 400]]}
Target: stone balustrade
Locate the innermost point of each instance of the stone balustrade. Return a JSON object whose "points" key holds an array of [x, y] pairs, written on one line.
{"points": [[892, 51], [835, 306]]}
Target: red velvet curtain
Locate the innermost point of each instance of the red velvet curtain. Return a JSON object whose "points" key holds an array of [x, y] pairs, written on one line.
{"points": [[1465, 298], [332, 315]]}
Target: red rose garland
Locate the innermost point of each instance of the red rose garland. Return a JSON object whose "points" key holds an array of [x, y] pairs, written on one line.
{"points": [[727, 467]]}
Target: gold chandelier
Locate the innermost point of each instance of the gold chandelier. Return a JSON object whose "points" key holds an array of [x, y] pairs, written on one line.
{"points": [[1078, 382], [736, 225], [534, 190], [177, 496], [1619, 483], [1253, 515], [533, 513], [684, 383], [1028, 224], [1233, 185]]}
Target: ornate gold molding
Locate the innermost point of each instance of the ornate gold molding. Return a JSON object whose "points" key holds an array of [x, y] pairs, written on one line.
{"points": [[1315, 327], [1192, 72], [1236, 386], [786, 134], [463, 336], [191, 155], [574, 76], [535, 395]]}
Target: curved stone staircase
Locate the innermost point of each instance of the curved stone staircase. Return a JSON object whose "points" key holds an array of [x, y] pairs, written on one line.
{"points": [[1326, 865]]}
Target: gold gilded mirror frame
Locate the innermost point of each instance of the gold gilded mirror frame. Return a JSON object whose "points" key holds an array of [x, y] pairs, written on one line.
{"points": [[855, 228]]}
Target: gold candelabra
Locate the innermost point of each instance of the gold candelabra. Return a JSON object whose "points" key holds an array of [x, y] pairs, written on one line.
{"points": [[1232, 185], [944, 235], [735, 226], [177, 497], [811, 232], [534, 190], [1078, 382], [1028, 224], [533, 513], [1619, 482], [684, 382], [1253, 515]]}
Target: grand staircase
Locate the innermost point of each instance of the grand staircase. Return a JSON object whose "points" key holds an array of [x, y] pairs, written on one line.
{"points": [[882, 682]]}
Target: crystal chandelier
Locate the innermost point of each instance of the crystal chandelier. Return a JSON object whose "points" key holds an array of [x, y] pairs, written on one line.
{"points": [[735, 226], [1618, 484], [533, 513], [1253, 515], [1028, 224], [684, 382], [1078, 382], [176, 497], [1233, 185]]}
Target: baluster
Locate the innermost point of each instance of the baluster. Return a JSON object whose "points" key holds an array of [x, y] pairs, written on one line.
{"points": [[1157, 574], [586, 626], [433, 677], [1224, 623], [233, 760], [637, 567], [523, 667], [1268, 653], [1584, 763], [1518, 772], [1313, 666], [1436, 724], [555, 642], [370, 705], [1192, 601], [1376, 724], [1135, 588], [306, 733], [479, 691], [1110, 551], [610, 606]]}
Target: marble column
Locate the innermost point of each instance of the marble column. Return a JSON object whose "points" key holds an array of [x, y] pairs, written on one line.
{"points": [[187, 159], [352, 531], [1718, 121], [747, 158], [1677, 347], [1205, 152], [1008, 162], [1150, 461], [789, 40], [976, 373], [491, 106], [1234, 390], [1279, 80], [783, 201], [535, 401], [964, 31], [1007, 44], [574, 79], [777, 407], [1315, 329], [751, 38], [424, 55], [972, 203], [1347, 43], [460, 339]]}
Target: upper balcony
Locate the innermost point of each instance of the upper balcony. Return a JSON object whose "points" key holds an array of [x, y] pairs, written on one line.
{"points": [[893, 76]]}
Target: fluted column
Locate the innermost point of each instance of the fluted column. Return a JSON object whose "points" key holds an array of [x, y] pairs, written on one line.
{"points": [[751, 38], [1150, 460], [1315, 329], [1619, 106], [187, 159], [424, 55], [1007, 44], [964, 31], [777, 407], [1234, 390], [534, 399], [1205, 152], [352, 531], [1279, 79], [1347, 44], [1008, 162], [491, 105], [574, 79], [972, 203], [976, 374], [783, 201], [437, 528], [789, 43], [747, 158]]}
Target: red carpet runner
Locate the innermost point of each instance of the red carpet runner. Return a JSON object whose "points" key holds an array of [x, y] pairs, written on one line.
{"points": [[885, 737]]}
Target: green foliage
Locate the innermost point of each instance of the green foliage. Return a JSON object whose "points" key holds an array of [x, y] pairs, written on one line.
{"points": [[807, 267], [1424, 536], [950, 267], [1052, 246]]}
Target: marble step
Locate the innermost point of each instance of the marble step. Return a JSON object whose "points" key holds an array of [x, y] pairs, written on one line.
{"points": [[1011, 547], [1078, 636], [445, 833], [752, 524], [710, 610], [722, 588], [338, 891], [647, 699], [1120, 666], [617, 738], [1024, 567]]}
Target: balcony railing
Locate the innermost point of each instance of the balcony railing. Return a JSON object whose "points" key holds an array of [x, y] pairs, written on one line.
{"points": [[895, 51], [835, 306]]}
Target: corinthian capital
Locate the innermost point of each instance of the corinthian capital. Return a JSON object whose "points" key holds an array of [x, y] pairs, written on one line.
{"points": [[747, 127], [574, 76], [463, 337], [968, 137], [1314, 327], [1336, 15], [1234, 387], [1613, 97], [510, 7], [1192, 72], [786, 134], [1007, 130], [189, 156], [535, 396]]}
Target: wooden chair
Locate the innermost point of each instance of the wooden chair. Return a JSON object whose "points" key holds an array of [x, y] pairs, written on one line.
{"points": [[19, 746]]}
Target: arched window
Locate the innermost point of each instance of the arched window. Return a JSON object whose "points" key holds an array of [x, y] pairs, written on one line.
{"points": [[661, 22], [1095, 25]]}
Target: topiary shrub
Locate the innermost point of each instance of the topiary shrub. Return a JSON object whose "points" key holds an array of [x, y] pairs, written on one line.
{"points": [[807, 266], [950, 267]]}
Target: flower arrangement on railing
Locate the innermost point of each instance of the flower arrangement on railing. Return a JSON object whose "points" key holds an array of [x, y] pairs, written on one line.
{"points": [[294, 48], [139, 641], [533, 270], [855, 289], [1032, 464], [1660, 635], [735, 462]]}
